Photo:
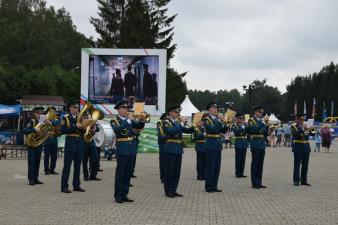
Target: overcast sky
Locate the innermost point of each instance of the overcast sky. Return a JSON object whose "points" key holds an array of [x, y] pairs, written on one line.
{"points": [[225, 44]]}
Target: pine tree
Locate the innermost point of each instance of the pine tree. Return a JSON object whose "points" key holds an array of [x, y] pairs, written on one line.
{"points": [[108, 25]]}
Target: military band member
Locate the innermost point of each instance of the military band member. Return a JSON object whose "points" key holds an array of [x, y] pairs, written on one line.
{"points": [[161, 137], [90, 154], [258, 131], [138, 127], [73, 148], [214, 126], [50, 149], [301, 151], [199, 136], [34, 153], [123, 126], [240, 130], [173, 150]]}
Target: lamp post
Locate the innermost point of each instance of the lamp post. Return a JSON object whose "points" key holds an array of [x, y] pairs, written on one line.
{"points": [[249, 89], [229, 104]]}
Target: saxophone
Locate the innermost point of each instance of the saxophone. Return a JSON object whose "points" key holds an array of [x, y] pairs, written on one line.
{"points": [[36, 139]]}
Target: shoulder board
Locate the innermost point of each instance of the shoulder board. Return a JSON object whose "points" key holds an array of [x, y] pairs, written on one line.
{"points": [[252, 121], [167, 123], [114, 121], [207, 120], [294, 126]]}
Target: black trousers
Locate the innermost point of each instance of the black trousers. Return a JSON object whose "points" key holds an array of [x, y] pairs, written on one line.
{"points": [[124, 166], [240, 154], [300, 158], [34, 156], [51, 152], [213, 168], [161, 162], [134, 163], [69, 157], [90, 154], [172, 172], [257, 166], [200, 164]]}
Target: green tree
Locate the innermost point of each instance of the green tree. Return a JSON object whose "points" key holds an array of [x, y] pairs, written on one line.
{"points": [[34, 40]]}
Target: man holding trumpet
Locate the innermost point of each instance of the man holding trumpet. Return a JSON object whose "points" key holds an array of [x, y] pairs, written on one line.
{"points": [[241, 144], [173, 128], [214, 124], [258, 131], [123, 126], [301, 150]]}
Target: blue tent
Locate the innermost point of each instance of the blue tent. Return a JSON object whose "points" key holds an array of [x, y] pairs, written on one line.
{"points": [[10, 110]]}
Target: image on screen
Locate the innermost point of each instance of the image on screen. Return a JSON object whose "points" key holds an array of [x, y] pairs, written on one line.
{"points": [[113, 78]]}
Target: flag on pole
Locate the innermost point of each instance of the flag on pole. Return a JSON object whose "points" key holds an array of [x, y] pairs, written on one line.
{"points": [[314, 108], [324, 112], [332, 109], [305, 110], [295, 109]]}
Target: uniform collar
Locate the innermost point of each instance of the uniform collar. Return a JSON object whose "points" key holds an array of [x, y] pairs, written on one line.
{"points": [[121, 117]]}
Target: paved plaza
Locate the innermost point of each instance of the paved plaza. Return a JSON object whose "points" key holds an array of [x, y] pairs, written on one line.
{"points": [[280, 203]]}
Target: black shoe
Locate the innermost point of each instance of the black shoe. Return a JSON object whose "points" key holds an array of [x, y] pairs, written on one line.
{"points": [[47, 172], [243, 176], [170, 195], [296, 183], [126, 199], [133, 176], [256, 186], [306, 184], [178, 194], [119, 200], [130, 185], [209, 190], [31, 182], [100, 170], [53, 172], [238, 176], [79, 189], [37, 182], [86, 178], [262, 186], [217, 190], [95, 178], [66, 190]]}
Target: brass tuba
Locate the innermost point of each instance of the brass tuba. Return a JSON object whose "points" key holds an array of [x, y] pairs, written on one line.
{"points": [[96, 114], [36, 139]]}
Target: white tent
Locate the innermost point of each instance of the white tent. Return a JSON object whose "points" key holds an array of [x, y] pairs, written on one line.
{"points": [[187, 107], [273, 118]]}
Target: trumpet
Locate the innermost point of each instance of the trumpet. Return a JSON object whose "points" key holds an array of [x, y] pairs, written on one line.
{"points": [[143, 116]]}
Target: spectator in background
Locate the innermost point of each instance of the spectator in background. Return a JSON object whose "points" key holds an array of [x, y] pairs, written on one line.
{"points": [[279, 134], [287, 133], [325, 133], [272, 136], [317, 141]]}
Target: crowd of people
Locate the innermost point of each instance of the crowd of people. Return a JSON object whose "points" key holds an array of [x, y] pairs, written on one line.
{"points": [[208, 132], [282, 136]]}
